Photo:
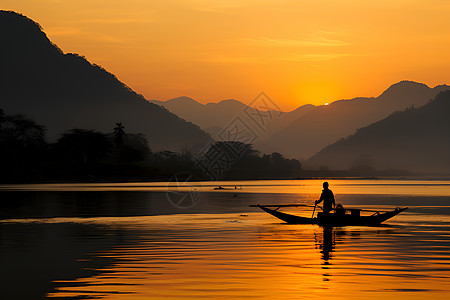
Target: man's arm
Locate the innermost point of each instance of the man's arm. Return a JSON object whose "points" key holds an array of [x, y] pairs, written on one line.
{"points": [[320, 199]]}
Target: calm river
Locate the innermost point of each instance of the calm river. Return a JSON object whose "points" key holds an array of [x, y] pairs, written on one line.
{"points": [[178, 240]]}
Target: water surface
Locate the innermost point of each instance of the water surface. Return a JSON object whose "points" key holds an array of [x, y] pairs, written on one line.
{"points": [[151, 241]]}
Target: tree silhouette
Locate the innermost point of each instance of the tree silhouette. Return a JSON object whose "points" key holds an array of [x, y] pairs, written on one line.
{"points": [[22, 144], [85, 147], [21, 128], [118, 134], [233, 159], [134, 148]]}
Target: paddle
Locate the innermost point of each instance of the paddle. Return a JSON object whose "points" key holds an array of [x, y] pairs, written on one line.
{"points": [[314, 210]]}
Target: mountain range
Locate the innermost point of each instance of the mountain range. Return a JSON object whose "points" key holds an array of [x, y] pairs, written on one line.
{"points": [[215, 117], [415, 139], [328, 123], [64, 91], [308, 129]]}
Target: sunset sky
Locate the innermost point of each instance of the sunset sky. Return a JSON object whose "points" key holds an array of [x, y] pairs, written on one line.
{"points": [[298, 52]]}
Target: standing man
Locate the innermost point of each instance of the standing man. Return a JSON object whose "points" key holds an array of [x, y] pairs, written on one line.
{"points": [[328, 199]]}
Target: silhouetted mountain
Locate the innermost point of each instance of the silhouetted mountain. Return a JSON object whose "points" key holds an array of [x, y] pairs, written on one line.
{"points": [[328, 123], [416, 139], [214, 117], [65, 91]]}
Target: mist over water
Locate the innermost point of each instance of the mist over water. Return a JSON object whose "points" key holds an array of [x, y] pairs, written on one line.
{"points": [[138, 240]]}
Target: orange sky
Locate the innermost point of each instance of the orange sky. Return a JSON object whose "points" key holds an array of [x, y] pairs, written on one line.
{"points": [[296, 51]]}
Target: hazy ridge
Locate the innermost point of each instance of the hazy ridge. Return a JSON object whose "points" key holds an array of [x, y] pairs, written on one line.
{"points": [[328, 123], [214, 117], [416, 139]]}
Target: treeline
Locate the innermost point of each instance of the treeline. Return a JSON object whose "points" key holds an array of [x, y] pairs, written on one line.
{"points": [[89, 155], [237, 160]]}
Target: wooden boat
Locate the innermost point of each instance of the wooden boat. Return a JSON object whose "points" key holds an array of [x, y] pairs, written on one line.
{"points": [[340, 217]]}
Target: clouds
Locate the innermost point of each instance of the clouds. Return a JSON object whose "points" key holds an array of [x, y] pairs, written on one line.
{"points": [[304, 42], [118, 20], [314, 57], [314, 48]]}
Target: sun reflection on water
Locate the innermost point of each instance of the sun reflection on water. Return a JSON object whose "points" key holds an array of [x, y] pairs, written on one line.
{"points": [[92, 241], [231, 257]]}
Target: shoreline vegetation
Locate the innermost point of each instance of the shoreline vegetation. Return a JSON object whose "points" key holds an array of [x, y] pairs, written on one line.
{"points": [[82, 155]]}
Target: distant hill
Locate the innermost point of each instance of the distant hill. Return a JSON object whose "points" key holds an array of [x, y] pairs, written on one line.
{"points": [[417, 139], [63, 91], [326, 124], [205, 116], [214, 117]]}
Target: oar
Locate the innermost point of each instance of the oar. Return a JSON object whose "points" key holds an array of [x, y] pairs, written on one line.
{"points": [[314, 210]]}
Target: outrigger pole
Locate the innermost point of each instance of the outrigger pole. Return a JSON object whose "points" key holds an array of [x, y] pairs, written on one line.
{"points": [[280, 205], [306, 205]]}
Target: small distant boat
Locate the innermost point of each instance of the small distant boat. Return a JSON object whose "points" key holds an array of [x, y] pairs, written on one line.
{"points": [[341, 217], [223, 188]]}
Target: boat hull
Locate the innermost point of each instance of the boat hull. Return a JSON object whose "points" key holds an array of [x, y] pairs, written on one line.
{"points": [[333, 219]]}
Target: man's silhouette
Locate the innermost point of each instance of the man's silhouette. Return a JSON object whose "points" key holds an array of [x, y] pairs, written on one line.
{"points": [[328, 199]]}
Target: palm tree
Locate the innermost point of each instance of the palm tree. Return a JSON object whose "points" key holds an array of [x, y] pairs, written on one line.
{"points": [[119, 133]]}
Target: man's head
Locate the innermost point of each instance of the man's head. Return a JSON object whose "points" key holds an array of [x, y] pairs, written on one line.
{"points": [[325, 185]]}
